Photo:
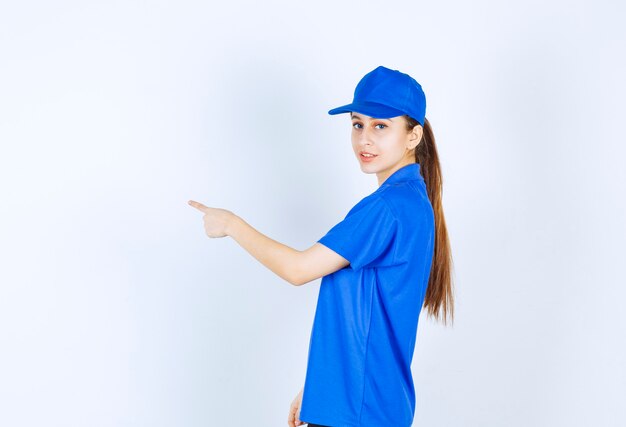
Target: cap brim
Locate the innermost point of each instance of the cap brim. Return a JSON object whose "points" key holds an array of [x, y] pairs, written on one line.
{"points": [[371, 109]]}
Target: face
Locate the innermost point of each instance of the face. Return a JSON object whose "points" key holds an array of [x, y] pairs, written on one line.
{"points": [[387, 139]]}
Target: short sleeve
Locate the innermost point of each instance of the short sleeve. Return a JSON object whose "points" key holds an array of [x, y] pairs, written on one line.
{"points": [[366, 236]]}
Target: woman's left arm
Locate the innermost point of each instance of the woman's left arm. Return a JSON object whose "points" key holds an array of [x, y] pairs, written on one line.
{"points": [[281, 259], [296, 267]]}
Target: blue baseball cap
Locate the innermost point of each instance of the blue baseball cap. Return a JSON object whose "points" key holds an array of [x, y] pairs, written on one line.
{"points": [[384, 93]]}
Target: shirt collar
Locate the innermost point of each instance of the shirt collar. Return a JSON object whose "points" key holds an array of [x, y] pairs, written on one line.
{"points": [[408, 172]]}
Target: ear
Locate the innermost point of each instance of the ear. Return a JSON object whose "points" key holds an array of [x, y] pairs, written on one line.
{"points": [[415, 136]]}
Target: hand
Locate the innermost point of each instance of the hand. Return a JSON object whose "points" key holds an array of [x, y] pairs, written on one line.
{"points": [[216, 220], [294, 411]]}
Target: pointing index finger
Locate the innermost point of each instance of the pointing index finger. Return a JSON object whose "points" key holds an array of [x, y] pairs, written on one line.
{"points": [[198, 205]]}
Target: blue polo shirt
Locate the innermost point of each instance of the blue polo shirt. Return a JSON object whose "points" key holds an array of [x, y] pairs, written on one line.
{"points": [[363, 335]]}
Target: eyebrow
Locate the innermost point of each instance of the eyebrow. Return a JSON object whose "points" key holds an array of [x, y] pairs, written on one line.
{"points": [[354, 116]]}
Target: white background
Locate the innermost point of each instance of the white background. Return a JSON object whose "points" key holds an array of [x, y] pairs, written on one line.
{"points": [[117, 310]]}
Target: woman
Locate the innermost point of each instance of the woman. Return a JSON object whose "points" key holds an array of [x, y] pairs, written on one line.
{"points": [[386, 259]]}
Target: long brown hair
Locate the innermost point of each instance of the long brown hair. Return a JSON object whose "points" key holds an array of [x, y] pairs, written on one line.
{"points": [[439, 300]]}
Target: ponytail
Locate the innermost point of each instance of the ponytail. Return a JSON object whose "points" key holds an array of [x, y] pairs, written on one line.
{"points": [[439, 300]]}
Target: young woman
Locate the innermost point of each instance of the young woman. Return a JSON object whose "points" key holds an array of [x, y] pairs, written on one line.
{"points": [[386, 259]]}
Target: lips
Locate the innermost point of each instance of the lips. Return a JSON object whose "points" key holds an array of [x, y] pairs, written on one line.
{"points": [[367, 159]]}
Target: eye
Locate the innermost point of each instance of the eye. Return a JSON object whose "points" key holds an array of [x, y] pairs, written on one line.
{"points": [[381, 124], [356, 124]]}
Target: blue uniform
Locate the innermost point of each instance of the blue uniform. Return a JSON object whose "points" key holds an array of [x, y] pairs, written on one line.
{"points": [[363, 336]]}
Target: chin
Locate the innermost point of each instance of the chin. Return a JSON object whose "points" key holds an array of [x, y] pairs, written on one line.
{"points": [[370, 168]]}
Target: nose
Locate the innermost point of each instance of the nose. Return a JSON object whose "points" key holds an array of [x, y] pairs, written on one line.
{"points": [[364, 137]]}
